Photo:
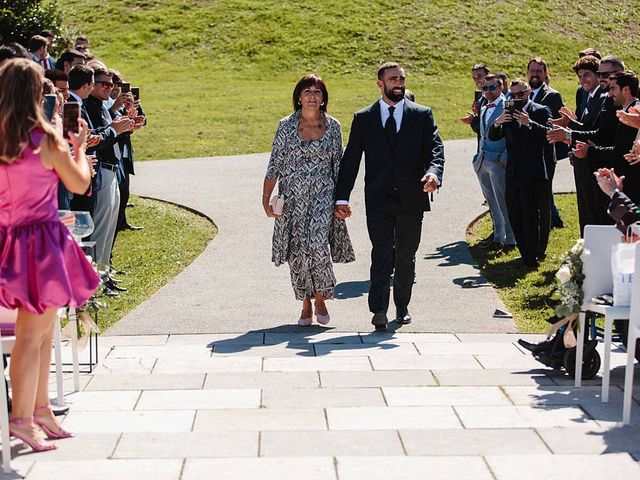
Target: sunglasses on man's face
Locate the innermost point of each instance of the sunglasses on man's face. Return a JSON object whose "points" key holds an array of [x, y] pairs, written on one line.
{"points": [[105, 84], [489, 88], [605, 74]]}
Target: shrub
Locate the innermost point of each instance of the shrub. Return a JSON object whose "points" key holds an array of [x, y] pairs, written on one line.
{"points": [[21, 19]]}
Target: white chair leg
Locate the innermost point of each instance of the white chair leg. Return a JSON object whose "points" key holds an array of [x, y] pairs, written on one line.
{"points": [[580, 349], [628, 374], [606, 367], [57, 345], [4, 423], [74, 350]]}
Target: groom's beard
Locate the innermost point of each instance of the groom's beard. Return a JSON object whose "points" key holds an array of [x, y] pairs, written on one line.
{"points": [[394, 94]]}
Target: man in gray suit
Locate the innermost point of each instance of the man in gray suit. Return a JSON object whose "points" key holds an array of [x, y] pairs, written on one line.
{"points": [[490, 165]]}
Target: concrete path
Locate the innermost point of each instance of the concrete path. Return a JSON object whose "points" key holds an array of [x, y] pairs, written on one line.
{"points": [[233, 287], [335, 406]]}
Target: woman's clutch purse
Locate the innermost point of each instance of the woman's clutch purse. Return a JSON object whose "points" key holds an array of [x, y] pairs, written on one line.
{"points": [[277, 204]]}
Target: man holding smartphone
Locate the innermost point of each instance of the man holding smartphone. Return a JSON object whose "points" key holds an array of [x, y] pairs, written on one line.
{"points": [[528, 184], [107, 196]]}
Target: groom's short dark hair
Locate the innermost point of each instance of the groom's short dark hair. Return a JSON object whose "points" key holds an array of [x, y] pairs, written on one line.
{"points": [[386, 66]]}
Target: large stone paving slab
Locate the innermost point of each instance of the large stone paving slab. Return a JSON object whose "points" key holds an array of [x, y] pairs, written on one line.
{"points": [[563, 467], [482, 441], [402, 468], [156, 469], [293, 468]]}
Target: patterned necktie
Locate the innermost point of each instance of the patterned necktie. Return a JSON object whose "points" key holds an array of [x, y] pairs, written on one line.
{"points": [[390, 125]]}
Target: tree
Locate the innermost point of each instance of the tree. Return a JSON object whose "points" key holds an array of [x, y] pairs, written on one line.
{"points": [[21, 19]]}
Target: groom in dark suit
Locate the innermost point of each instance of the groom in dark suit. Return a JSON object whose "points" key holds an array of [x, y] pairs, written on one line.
{"points": [[404, 161]]}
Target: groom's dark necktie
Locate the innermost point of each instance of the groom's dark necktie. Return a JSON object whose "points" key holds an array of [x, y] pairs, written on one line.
{"points": [[390, 125]]}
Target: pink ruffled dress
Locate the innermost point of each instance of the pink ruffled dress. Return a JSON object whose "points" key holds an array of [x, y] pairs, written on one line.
{"points": [[41, 265]]}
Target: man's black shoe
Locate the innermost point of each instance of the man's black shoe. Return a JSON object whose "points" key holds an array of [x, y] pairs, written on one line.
{"points": [[508, 248], [380, 321], [536, 348], [109, 293], [403, 317], [111, 285], [128, 226], [496, 246]]}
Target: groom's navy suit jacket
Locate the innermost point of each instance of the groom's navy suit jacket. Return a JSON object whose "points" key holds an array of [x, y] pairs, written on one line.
{"points": [[400, 165]]}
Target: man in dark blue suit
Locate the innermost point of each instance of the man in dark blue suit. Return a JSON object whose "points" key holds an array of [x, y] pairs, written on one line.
{"points": [[404, 161], [528, 189]]}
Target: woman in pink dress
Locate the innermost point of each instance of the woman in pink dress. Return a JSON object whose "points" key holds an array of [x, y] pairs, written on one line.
{"points": [[42, 268]]}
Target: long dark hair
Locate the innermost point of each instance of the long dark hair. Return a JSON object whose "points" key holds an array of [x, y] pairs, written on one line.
{"points": [[21, 109], [311, 80]]}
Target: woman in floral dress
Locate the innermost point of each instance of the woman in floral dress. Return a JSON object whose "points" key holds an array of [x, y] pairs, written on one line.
{"points": [[305, 161]]}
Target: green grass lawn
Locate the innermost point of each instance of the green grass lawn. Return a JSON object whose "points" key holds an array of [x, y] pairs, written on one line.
{"points": [[527, 294], [216, 76], [172, 238]]}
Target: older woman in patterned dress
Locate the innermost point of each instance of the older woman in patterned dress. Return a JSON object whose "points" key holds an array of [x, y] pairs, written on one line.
{"points": [[305, 161]]}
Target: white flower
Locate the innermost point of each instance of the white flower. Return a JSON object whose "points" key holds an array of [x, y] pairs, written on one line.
{"points": [[564, 274]]}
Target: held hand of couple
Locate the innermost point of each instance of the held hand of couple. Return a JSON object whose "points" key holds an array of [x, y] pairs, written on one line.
{"points": [[342, 211], [430, 182]]}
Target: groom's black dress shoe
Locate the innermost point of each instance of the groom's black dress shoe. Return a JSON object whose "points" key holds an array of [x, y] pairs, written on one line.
{"points": [[536, 348], [402, 316], [380, 321]]}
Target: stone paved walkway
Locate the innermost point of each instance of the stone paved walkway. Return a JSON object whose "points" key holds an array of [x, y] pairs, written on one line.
{"points": [[204, 386], [335, 406]]}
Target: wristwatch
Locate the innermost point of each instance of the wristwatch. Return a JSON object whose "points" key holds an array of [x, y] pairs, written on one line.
{"points": [[567, 134]]}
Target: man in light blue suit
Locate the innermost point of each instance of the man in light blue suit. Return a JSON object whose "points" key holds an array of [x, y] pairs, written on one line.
{"points": [[490, 165]]}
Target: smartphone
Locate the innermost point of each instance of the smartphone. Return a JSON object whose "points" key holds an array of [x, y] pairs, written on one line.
{"points": [[136, 93], [126, 87], [50, 105], [477, 95], [518, 104], [70, 116]]}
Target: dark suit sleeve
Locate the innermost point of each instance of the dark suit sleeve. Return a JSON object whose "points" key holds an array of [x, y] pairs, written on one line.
{"points": [[434, 153], [555, 104], [350, 163], [538, 122], [475, 124]]}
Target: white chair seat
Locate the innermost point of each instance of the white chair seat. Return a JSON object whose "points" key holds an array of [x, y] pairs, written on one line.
{"points": [[617, 313]]}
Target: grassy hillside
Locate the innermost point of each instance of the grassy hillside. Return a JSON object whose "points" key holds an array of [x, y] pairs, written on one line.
{"points": [[216, 75]]}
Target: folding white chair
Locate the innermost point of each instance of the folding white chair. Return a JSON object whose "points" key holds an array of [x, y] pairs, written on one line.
{"points": [[634, 334], [598, 280]]}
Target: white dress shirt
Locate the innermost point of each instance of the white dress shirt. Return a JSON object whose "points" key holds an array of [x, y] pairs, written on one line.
{"points": [[397, 113]]}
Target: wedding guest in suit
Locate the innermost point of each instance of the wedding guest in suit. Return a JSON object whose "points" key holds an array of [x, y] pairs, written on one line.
{"points": [[404, 161], [505, 83], [60, 80], [543, 94], [107, 196], [82, 44], [623, 89], [528, 183], [69, 59], [478, 73], [490, 164], [305, 161], [50, 63], [38, 49], [591, 201]]}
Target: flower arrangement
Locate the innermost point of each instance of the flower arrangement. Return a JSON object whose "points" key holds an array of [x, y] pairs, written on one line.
{"points": [[569, 293], [570, 278]]}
